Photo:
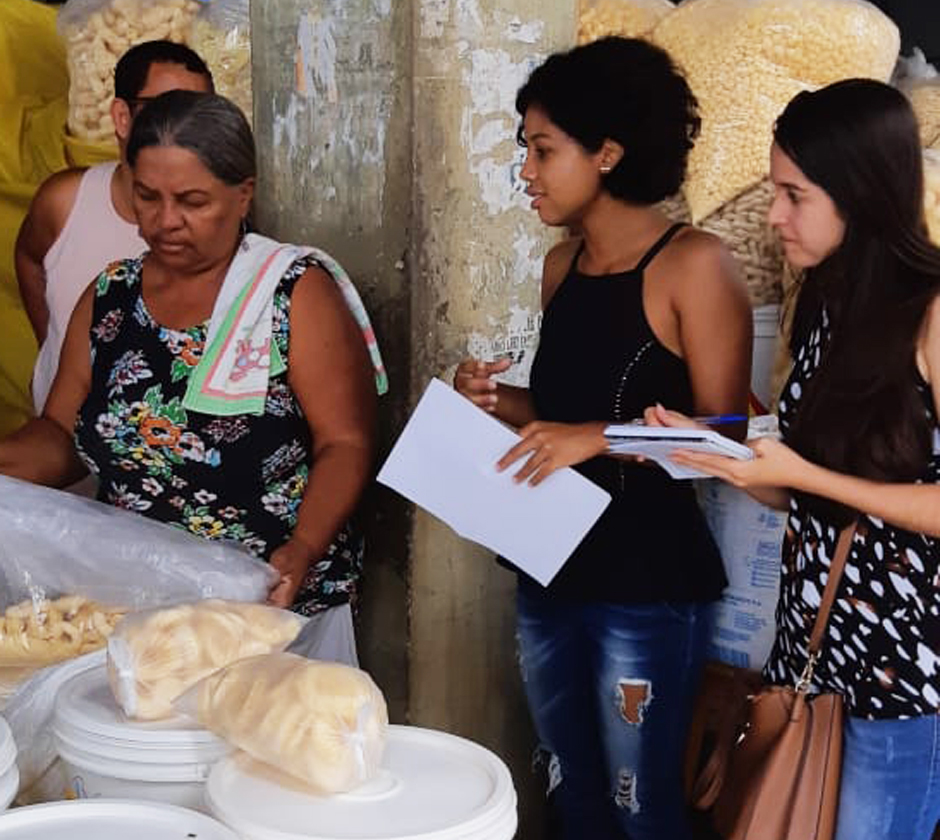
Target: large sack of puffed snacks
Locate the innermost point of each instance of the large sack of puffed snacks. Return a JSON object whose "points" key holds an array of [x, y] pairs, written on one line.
{"points": [[746, 59], [626, 18], [96, 34]]}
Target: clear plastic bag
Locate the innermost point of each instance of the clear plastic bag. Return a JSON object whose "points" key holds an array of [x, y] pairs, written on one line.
{"points": [[96, 34], [746, 59], [29, 713], [329, 635], [627, 18], [221, 34], [156, 655], [321, 722], [920, 81], [71, 566]]}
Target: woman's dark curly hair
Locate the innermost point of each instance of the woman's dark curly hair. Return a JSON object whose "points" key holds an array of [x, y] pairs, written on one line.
{"points": [[626, 90]]}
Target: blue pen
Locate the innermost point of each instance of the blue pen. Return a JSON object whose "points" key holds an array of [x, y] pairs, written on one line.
{"points": [[719, 419], [713, 420]]}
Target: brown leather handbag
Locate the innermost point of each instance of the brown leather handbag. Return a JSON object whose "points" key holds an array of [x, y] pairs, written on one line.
{"points": [[774, 771]]}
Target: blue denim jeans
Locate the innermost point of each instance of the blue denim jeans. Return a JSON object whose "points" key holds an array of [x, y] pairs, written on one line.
{"points": [[610, 688], [890, 779]]}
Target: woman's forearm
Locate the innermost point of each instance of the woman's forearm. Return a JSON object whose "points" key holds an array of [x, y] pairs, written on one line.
{"points": [[337, 479], [41, 452], [913, 507]]}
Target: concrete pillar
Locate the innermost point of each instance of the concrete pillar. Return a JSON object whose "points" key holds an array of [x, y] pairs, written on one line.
{"points": [[333, 125], [477, 253], [386, 134]]}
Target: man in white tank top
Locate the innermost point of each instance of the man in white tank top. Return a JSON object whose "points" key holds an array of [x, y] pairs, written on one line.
{"points": [[80, 220]]}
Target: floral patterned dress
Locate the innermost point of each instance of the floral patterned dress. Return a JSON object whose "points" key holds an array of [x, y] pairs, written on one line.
{"points": [[238, 478]]}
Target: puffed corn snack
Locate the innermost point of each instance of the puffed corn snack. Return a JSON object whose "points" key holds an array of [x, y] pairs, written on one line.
{"points": [[96, 35], [155, 655], [321, 722], [925, 99], [42, 632], [746, 59], [627, 18], [228, 54]]}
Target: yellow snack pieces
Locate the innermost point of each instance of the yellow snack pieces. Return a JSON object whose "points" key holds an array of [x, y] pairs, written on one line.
{"points": [[156, 655], [745, 60], [321, 722], [96, 42], [925, 99], [628, 18], [228, 54], [43, 632]]}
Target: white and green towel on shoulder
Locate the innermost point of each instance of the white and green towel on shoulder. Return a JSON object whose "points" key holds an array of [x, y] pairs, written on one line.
{"points": [[240, 353]]}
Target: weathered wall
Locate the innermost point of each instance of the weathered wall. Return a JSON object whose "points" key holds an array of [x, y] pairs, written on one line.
{"points": [[477, 257], [386, 132], [333, 125]]}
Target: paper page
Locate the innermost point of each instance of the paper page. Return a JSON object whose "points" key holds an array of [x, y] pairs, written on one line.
{"points": [[445, 461], [657, 443]]}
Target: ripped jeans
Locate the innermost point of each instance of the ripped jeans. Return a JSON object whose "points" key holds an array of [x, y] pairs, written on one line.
{"points": [[610, 688]]}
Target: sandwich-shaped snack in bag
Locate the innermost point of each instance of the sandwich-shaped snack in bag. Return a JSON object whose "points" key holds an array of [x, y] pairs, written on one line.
{"points": [[321, 722]]}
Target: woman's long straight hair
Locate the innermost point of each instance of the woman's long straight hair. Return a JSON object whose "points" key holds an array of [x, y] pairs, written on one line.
{"points": [[862, 412]]}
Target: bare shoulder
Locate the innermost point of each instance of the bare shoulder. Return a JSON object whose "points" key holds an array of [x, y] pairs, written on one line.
{"points": [[701, 253], [53, 202], [557, 262], [698, 262], [316, 298]]}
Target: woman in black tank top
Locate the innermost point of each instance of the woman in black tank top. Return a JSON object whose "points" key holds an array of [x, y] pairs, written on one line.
{"points": [[636, 312]]}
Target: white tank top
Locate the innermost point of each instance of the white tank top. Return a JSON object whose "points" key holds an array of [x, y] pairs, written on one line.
{"points": [[94, 235]]}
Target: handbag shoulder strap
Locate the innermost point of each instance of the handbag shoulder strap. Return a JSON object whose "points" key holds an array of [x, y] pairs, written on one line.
{"points": [[843, 546], [710, 779]]}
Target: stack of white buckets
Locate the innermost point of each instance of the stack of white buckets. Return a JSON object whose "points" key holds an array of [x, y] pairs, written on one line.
{"points": [[432, 785]]}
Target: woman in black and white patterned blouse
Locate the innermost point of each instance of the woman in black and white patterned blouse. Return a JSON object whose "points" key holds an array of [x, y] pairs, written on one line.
{"points": [[859, 423]]}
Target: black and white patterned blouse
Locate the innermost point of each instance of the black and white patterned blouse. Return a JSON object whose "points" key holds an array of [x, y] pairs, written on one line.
{"points": [[880, 651]]}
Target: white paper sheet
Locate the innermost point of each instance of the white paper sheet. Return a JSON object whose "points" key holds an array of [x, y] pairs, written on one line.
{"points": [[657, 443], [445, 461]]}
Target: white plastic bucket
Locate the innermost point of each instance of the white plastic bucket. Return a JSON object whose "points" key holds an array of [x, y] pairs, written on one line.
{"points": [[104, 819], [766, 338], [432, 786], [107, 755], [9, 775]]}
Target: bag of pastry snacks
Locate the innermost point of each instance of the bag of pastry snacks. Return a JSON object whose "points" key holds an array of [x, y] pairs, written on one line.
{"points": [[321, 722], [155, 655]]}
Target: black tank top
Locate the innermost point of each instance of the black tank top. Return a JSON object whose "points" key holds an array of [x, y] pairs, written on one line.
{"points": [[598, 359]]}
